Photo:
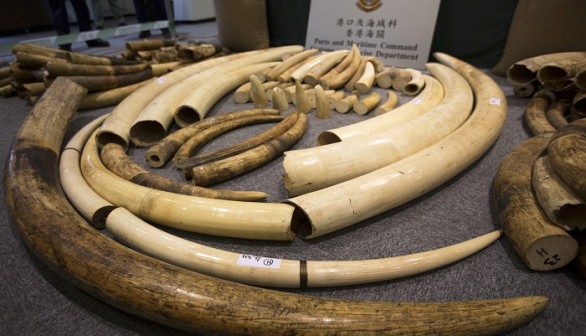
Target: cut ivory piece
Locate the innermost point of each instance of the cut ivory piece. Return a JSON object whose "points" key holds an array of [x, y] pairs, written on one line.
{"points": [[116, 128], [250, 220], [429, 97], [350, 202], [304, 169], [199, 101], [318, 66], [176, 297]]}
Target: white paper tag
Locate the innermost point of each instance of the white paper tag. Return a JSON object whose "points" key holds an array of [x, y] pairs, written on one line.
{"points": [[416, 101], [161, 79], [256, 261], [494, 101]]}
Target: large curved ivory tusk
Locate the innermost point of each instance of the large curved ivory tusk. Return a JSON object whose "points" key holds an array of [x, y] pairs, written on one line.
{"points": [[101, 83], [274, 272], [350, 85], [429, 97], [525, 71], [540, 244], [317, 66], [534, 115], [315, 168], [338, 80], [210, 216], [179, 298], [350, 202], [110, 97], [92, 207], [567, 153], [557, 111], [197, 104], [68, 69], [117, 127]]}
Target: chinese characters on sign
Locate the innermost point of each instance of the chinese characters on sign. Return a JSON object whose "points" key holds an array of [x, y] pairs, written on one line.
{"points": [[399, 32]]}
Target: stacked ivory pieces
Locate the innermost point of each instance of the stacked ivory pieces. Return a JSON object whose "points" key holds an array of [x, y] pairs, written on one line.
{"points": [[345, 77]]}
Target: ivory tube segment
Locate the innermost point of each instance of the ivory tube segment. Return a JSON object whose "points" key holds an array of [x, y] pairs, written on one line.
{"points": [[429, 97], [197, 104], [247, 220], [92, 207], [176, 297], [330, 209], [304, 169], [284, 273]]}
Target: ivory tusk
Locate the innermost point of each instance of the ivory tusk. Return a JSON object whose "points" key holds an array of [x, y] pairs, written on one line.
{"points": [[312, 76], [364, 83], [197, 104], [561, 205], [249, 220], [567, 153], [540, 244], [279, 100], [161, 152], [556, 113], [247, 144], [389, 104], [35, 61], [304, 169], [322, 104], [352, 201], [83, 58], [258, 93], [285, 77], [115, 159], [384, 79], [286, 273], [525, 71], [117, 127], [579, 103], [431, 96], [367, 104], [161, 69], [338, 81], [302, 103], [223, 169], [277, 70], [404, 77], [534, 115], [65, 242], [580, 80], [90, 206], [195, 143], [39, 50], [525, 90], [53, 69], [345, 104], [350, 85], [102, 83], [335, 97], [415, 85], [242, 93], [151, 44], [560, 74], [110, 97], [342, 65]]}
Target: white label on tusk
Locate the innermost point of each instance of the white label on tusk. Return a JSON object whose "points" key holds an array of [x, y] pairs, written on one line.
{"points": [[494, 101], [416, 101], [256, 261], [160, 80]]}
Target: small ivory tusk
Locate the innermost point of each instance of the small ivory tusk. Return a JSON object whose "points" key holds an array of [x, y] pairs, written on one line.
{"points": [[258, 93], [322, 104], [388, 105], [367, 104], [365, 81], [302, 103], [279, 100], [345, 104]]}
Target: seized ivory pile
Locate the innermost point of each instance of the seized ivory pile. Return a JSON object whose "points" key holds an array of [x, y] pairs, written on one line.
{"points": [[177, 282]]}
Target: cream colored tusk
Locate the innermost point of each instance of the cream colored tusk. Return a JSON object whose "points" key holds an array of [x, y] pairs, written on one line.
{"points": [[290, 91], [274, 272], [305, 169], [279, 100], [339, 80], [364, 83], [350, 202], [318, 65], [242, 93], [350, 85], [345, 104], [249, 220], [335, 97], [313, 75], [367, 104], [415, 85], [117, 127], [402, 79], [273, 73], [111, 97], [431, 95], [384, 79], [302, 102], [258, 93], [195, 106], [389, 104], [322, 104], [90, 206], [342, 65]]}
